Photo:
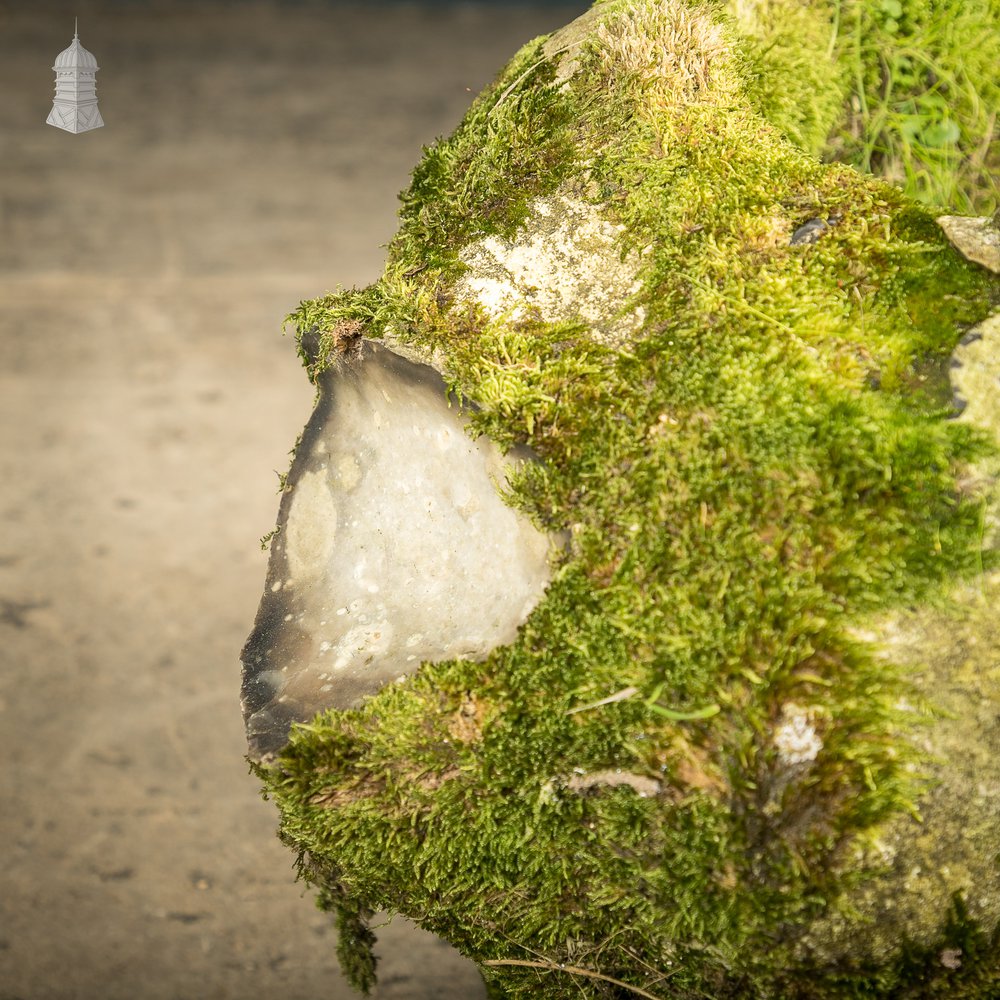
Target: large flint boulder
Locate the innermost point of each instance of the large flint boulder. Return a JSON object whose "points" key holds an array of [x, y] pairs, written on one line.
{"points": [[630, 619]]}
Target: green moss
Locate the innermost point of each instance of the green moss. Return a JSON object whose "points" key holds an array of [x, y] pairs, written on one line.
{"points": [[791, 69], [515, 142], [767, 463]]}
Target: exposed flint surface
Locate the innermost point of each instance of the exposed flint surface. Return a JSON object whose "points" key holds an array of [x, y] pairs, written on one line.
{"points": [[394, 547], [978, 239]]}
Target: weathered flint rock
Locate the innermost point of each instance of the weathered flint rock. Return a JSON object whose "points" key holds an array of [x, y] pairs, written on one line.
{"points": [[737, 735], [393, 546]]}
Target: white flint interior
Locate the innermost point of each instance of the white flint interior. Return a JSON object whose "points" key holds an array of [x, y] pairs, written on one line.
{"points": [[394, 547]]}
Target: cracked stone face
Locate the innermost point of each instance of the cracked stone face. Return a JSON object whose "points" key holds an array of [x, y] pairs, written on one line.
{"points": [[393, 547]]}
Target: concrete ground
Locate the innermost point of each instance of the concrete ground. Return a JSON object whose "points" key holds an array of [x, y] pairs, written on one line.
{"points": [[251, 158]]}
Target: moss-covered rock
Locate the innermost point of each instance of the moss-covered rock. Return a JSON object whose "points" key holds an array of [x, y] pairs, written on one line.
{"points": [[746, 744]]}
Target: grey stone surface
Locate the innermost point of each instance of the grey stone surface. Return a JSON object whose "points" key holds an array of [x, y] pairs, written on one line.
{"points": [[393, 547], [977, 238]]}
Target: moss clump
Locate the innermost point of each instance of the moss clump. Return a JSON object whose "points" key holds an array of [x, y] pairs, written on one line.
{"points": [[791, 67], [765, 465]]}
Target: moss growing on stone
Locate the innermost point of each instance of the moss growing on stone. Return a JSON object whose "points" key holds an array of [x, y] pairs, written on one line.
{"points": [[764, 466]]}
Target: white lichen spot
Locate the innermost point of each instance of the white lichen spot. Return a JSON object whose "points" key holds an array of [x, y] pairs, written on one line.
{"points": [[796, 739], [951, 958], [493, 295]]}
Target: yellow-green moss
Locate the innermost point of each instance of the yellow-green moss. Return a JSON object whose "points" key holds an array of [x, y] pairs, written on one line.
{"points": [[769, 461]]}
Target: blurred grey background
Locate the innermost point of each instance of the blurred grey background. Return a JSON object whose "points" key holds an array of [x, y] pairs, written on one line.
{"points": [[251, 158]]}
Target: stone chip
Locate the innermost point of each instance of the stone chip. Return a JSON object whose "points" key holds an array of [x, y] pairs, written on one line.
{"points": [[393, 547]]}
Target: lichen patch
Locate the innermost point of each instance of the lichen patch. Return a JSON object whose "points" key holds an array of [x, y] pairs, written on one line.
{"points": [[566, 263], [975, 375], [795, 737]]}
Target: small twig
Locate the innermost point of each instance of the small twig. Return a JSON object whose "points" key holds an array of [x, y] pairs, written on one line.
{"points": [[571, 969], [529, 71], [506, 93], [611, 698], [660, 977]]}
